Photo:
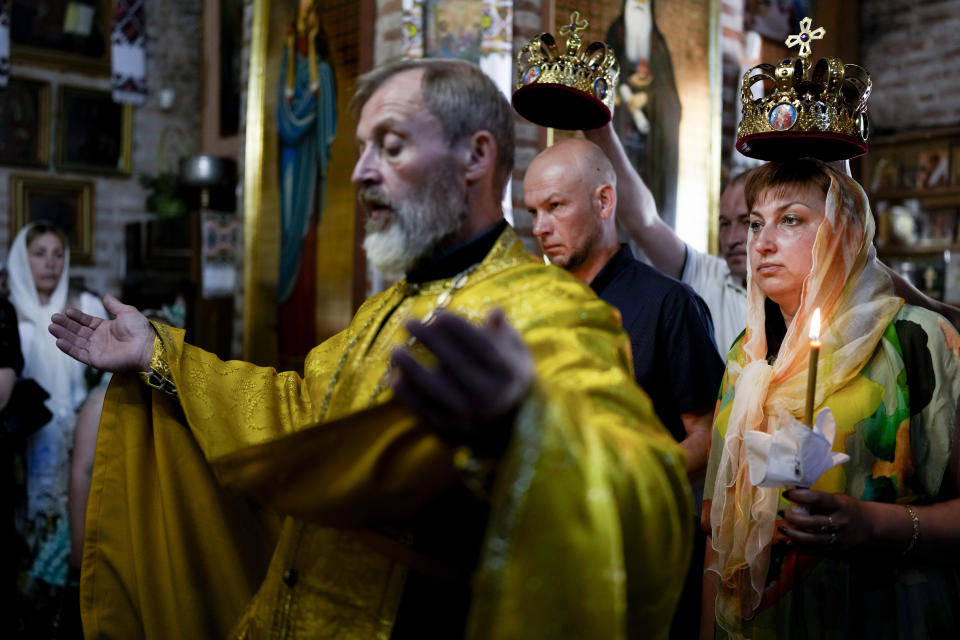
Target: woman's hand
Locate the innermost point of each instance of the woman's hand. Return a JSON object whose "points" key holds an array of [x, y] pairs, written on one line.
{"points": [[833, 522]]}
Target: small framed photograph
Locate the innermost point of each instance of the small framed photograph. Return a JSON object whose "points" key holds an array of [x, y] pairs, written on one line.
{"points": [[886, 173], [65, 203], [933, 168], [95, 133], [939, 226], [908, 174], [65, 34], [929, 275], [167, 243], [25, 123]]}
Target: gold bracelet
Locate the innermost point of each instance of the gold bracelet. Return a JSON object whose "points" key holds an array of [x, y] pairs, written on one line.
{"points": [[158, 376], [916, 529]]}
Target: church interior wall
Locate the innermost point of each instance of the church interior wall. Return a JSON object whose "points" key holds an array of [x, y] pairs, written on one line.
{"points": [[909, 49], [160, 135], [905, 46]]}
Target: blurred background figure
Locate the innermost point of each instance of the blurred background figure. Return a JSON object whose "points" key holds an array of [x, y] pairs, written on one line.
{"points": [[21, 413], [38, 278]]}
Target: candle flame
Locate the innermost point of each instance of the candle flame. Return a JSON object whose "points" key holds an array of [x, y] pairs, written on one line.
{"points": [[815, 325]]}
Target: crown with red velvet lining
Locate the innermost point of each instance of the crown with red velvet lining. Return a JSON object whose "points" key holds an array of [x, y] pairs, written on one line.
{"points": [[573, 89], [817, 110]]}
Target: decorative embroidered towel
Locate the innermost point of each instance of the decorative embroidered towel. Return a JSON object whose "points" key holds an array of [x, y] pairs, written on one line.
{"points": [[129, 57]]}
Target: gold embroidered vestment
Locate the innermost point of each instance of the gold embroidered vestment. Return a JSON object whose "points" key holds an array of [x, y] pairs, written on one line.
{"points": [[589, 529]]}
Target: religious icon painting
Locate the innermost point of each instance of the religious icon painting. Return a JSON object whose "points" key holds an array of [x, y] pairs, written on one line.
{"points": [[63, 34], [69, 204], [782, 117], [653, 94], [453, 29], [531, 74], [600, 88], [25, 123], [94, 133], [938, 227], [933, 168], [305, 57]]}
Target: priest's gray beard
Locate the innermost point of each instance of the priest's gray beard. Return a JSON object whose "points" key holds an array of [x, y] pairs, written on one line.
{"points": [[416, 227]]}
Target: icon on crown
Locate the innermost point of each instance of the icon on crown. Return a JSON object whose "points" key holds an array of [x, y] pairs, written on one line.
{"points": [[569, 90], [817, 110]]}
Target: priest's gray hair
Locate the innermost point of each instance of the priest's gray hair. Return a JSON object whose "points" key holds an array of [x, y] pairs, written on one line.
{"points": [[461, 97]]}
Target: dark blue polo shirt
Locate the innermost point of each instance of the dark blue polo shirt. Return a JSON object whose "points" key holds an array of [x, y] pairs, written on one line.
{"points": [[675, 358]]}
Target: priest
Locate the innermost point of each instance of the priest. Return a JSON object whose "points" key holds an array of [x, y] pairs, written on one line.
{"points": [[469, 458]]}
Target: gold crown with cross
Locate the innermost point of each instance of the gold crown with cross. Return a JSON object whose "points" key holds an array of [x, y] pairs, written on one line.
{"points": [[817, 110], [569, 89]]}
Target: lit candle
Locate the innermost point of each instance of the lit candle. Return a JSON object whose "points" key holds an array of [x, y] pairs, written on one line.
{"points": [[812, 371]]}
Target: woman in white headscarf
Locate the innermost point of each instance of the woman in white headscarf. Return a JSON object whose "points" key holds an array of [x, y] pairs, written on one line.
{"points": [[38, 266]]}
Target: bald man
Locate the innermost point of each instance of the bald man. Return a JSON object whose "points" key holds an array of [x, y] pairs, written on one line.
{"points": [[570, 190]]}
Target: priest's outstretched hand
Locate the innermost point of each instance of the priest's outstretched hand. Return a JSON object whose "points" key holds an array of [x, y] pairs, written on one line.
{"points": [[122, 344], [481, 376]]}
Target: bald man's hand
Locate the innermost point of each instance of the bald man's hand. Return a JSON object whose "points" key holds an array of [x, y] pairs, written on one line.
{"points": [[482, 375], [122, 344]]}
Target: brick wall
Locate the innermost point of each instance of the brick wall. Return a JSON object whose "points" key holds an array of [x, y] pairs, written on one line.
{"points": [[908, 46], [173, 57]]}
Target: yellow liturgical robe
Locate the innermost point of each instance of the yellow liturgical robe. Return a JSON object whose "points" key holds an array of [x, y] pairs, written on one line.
{"points": [[589, 526]]}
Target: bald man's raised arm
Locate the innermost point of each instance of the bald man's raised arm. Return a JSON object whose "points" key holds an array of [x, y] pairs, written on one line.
{"points": [[637, 210]]}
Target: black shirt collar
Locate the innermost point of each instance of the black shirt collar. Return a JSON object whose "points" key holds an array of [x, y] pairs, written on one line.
{"points": [[447, 264], [619, 261]]}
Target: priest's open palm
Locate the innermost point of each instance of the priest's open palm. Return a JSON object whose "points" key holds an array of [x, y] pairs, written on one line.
{"points": [[122, 344]]}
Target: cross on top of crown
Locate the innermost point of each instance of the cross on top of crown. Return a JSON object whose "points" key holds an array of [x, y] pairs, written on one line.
{"points": [[805, 37], [572, 29]]}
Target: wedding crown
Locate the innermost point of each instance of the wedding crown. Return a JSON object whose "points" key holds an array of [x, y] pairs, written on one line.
{"points": [[569, 90], [817, 110]]}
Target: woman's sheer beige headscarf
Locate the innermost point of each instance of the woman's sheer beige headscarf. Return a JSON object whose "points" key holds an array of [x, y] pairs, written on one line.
{"points": [[856, 302]]}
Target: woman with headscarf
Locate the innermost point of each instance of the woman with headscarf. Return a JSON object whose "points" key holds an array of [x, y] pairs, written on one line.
{"points": [[39, 263], [869, 551]]}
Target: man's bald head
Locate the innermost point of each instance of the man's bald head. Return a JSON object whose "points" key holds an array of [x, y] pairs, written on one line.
{"points": [[580, 159]]}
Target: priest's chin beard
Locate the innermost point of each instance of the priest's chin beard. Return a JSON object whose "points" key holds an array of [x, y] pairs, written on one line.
{"points": [[416, 227]]}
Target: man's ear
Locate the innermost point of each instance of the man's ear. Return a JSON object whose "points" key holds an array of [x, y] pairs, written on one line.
{"points": [[480, 155], [605, 197]]}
